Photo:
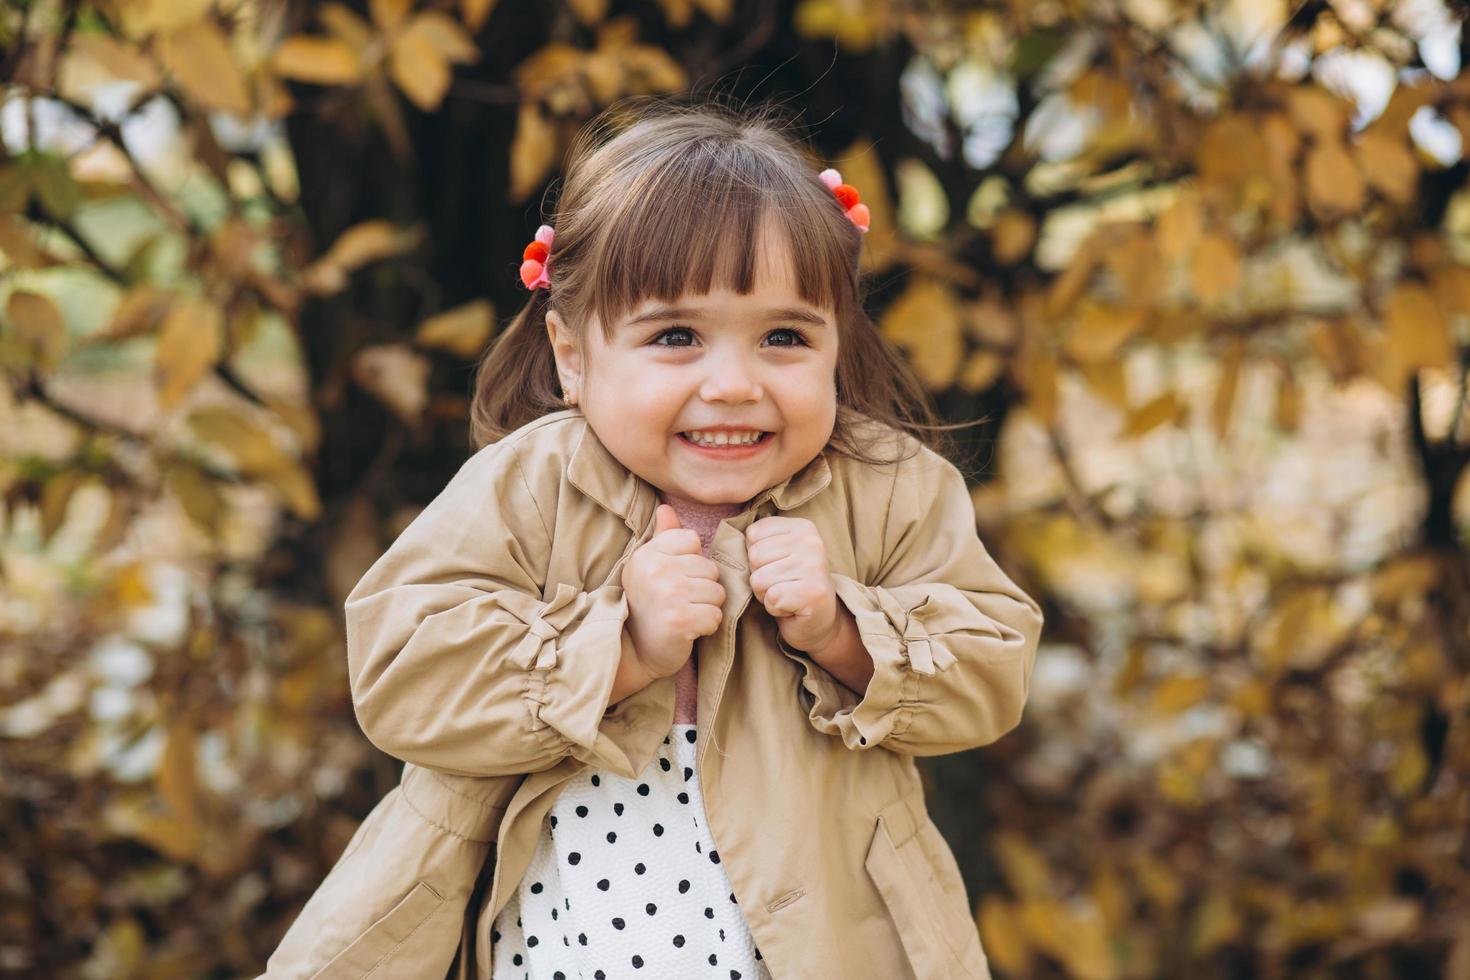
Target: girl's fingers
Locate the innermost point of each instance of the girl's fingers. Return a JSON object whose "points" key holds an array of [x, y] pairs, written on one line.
{"points": [[696, 566], [705, 591]]}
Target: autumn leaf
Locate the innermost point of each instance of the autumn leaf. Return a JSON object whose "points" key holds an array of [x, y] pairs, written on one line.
{"points": [[461, 331], [396, 376], [37, 326], [1335, 186], [1388, 164], [190, 342], [1012, 235], [1215, 268], [359, 245], [1152, 414], [320, 60], [925, 321], [532, 152], [198, 56], [1417, 331], [476, 12]]}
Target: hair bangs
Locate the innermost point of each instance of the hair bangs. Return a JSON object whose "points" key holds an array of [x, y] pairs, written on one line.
{"points": [[706, 219]]}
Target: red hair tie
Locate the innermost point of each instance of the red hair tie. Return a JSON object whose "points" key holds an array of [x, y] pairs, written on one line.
{"points": [[536, 260], [847, 196]]}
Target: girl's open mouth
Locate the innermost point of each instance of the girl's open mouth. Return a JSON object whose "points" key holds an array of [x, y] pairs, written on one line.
{"points": [[729, 450]]}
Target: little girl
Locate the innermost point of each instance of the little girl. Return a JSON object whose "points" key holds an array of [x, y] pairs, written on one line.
{"points": [[681, 782]]}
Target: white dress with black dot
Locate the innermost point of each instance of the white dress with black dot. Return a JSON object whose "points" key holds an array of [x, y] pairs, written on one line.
{"points": [[626, 882]]}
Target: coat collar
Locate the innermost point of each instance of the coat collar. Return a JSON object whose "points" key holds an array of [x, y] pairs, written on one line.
{"points": [[596, 472]]}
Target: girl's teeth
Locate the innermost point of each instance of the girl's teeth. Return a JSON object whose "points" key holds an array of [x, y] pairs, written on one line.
{"points": [[723, 439]]}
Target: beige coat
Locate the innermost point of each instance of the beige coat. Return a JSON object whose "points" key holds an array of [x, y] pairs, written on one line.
{"points": [[482, 647]]}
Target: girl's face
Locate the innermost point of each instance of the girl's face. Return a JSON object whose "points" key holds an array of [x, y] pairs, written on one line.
{"points": [[762, 363]]}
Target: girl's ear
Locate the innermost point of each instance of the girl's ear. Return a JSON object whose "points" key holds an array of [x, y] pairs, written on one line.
{"points": [[568, 357]]}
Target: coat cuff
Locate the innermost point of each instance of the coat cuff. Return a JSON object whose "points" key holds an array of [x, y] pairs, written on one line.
{"points": [[573, 646], [896, 638]]}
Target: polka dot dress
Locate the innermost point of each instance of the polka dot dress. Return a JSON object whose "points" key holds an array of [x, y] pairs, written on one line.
{"points": [[626, 882]]}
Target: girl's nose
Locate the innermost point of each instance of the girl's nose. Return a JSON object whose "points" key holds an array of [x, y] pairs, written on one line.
{"points": [[731, 380]]}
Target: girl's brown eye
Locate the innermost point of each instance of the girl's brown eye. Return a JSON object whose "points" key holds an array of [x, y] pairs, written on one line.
{"points": [[671, 330], [800, 338]]}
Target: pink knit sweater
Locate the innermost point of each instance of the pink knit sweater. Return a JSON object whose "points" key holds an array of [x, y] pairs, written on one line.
{"points": [[704, 519]]}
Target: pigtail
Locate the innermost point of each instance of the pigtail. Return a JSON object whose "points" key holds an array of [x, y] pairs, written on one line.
{"points": [[516, 382]]}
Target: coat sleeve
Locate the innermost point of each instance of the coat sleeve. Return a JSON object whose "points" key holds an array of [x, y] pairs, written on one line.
{"points": [[457, 664], [952, 638]]}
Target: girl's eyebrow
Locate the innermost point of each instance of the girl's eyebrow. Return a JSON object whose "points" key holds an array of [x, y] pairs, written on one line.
{"points": [[661, 314]]}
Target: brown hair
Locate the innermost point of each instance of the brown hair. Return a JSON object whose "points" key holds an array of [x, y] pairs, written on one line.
{"points": [[698, 180]]}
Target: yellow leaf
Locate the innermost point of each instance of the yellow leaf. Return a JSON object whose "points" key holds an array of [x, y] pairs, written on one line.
{"points": [[140, 310], [345, 25], [258, 455], [1180, 225], [397, 376], [476, 12], [389, 14], [1288, 401], [462, 331], [532, 152], [1025, 869], [296, 489], [852, 26], [123, 61], [18, 242], [37, 325], [1215, 268], [861, 168], [369, 241], [1067, 287], [1165, 408], [1012, 236], [1225, 388], [1389, 165], [55, 495], [447, 37], [252, 447], [1108, 381], [716, 10], [1002, 937], [1318, 112], [605, 76], [1100, 330], [419, 70], [1451, 285], [178, 781], [1035, 372], [1087, 954], [1418, 333], [1335, 186], [925, 321], [981, 371], [1176, 692], [189, 344], [320, 60], [651, 70], [198, 494], [589, 12], [199, 57]]}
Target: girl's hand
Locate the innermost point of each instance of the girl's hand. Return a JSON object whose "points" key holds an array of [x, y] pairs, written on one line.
{"points": [[789, 576], [674, 595]]}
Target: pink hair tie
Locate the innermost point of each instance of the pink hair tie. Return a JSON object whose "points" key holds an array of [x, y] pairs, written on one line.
{"points": [[847, 196], [537, 259]]}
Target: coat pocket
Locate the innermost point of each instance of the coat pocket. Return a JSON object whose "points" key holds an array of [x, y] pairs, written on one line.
{"points": [[938, 935], [374, 949]]}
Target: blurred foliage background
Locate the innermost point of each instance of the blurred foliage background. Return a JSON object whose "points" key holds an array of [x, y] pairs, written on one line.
{"points": [[1204, 266]]}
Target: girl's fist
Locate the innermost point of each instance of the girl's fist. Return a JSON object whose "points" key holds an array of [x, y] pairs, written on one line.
{"points": [[789, 576], [674, 595]]}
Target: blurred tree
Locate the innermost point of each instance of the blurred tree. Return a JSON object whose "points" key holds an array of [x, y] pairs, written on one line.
{"points": [[1205, 267]]}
